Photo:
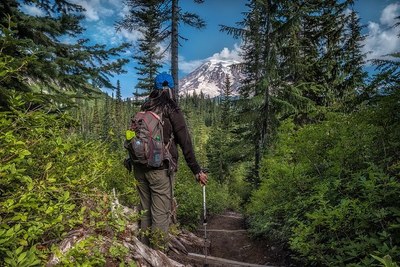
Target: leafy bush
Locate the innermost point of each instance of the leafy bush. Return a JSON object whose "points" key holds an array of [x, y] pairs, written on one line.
{"points": [[189, 195], [330, 190], [238, 185], [52, 181]]}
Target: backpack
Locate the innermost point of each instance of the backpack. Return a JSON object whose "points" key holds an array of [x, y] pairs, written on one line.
{"points": [[145, 140]]}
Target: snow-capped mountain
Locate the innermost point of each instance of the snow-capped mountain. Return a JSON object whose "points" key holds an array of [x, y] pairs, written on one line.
{"points": [[210, 78]]}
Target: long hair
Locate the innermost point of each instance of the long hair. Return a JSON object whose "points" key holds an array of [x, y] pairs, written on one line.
{"points": [[161, 100]]}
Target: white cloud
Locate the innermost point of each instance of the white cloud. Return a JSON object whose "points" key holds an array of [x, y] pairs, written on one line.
{"points": [[382, 38], [95, 9], [124, 11], [225, 54], [32, 10], [389, 14], [116, 3], [106, 34], [128, 36], [103, 33]]}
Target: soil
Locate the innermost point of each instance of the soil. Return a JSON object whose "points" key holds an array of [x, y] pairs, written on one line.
{"points": [[229, 240]]}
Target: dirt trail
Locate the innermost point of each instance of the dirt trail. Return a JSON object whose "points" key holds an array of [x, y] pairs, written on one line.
{"points": [[230, 240]]}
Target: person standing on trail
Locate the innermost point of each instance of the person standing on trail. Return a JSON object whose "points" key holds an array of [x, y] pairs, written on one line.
{"points": [[155, 185]]}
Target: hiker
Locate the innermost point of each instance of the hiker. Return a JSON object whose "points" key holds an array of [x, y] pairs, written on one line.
{"points": [[155, 185]]}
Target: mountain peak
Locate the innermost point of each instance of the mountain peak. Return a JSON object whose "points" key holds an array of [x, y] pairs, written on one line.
{"points": [[210, 78]]}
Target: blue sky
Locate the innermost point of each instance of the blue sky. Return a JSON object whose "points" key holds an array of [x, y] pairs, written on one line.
{"points": [[100, 16]]}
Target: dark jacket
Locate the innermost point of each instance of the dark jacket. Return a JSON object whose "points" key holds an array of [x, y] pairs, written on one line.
{"points": [[175, 126]]}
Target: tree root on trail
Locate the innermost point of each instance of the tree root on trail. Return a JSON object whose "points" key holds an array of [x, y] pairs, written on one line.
{"points": [[188, 239], [146, 256]]}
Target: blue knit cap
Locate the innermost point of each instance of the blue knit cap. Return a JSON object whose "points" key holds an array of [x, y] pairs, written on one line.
{"points": [[162, 80]]}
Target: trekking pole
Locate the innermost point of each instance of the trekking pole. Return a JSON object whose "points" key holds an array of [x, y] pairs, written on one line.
{"points": [[205, 225]]}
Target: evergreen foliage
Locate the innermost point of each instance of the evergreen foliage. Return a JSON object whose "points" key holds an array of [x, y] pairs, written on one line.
{"points": [[387, 79], [146, 18], [36, 46], [220, 141], [157, 20], [178, 16]]}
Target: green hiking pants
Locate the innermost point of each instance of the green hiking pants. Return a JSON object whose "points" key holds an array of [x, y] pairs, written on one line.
{"points": [[154, 188]]}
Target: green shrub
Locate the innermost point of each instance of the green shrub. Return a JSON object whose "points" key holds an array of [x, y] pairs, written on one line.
{"points": [[189, 196], [238, 186], [330, 190], [52, 181], [189, 193]]}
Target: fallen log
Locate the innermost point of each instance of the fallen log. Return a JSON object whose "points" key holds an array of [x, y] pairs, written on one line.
{"points": [[138, 252], [146, 256], [189, 239], [73, 238]]}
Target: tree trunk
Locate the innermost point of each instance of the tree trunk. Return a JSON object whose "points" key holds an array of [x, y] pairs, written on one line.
{"points": [[174, 46]]}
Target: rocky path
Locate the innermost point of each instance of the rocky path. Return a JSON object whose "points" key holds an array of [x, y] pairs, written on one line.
{"points": [[230, 245]]}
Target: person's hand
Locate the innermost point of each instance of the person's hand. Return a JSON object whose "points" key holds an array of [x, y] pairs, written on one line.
{"points": [[202, 178]]}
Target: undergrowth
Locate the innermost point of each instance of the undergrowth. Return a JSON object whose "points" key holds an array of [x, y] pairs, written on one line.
{"points": [[51, 182]]}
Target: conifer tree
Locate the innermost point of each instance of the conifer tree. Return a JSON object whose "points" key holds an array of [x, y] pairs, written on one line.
{"points": [[145, 17], [175, 45], [56, 66], [118, 102], [95, 124], [215, 153], [107, 119], [226, 104], [158, 20], [354, 59], [177, 16], [220, 145], [120, 115], [349, 73], [259, 31], [296, 55], [387, 80], [329, 57], [136, 95]]}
